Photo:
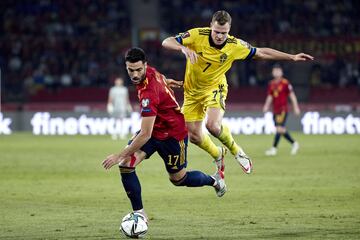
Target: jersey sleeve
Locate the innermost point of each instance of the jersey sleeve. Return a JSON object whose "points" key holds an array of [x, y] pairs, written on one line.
{"points": [[244, 51], [149, 102], [269, 90], [187, 38]]}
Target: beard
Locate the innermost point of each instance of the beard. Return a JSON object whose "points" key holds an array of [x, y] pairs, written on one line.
{"points": [[138, 80]]}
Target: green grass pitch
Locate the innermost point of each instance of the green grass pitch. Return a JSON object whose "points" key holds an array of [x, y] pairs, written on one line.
{"points": [[53, 187]]}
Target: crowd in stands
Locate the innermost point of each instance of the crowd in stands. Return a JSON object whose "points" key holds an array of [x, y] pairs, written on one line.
{"points": [[333, 25], [52, 44], [58, 44]]}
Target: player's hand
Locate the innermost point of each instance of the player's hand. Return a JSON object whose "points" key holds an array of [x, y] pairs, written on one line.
{"points": [[173, 83], [110, 108], [111, 160], [190, 54], [297, 111], [303, 57]]}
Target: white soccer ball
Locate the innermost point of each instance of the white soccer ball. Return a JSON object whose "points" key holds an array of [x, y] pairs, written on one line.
{"points": [[134, 225]]}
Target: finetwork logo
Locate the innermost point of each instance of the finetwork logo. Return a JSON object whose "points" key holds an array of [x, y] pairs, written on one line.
{"points": [[5, 125], [314, 124], [251, 125], [44, 124]]}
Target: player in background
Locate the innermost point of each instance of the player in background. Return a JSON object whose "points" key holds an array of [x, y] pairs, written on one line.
{"points": [[279, 89], [210, 52], [119, 105], [163, 130]]}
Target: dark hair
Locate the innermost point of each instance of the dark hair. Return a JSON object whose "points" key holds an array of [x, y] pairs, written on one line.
{"points": [[222, 17], [277, 65], [134, 55]]}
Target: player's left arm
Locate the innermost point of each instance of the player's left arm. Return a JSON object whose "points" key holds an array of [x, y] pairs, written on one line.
{"points": [[272, 54], [147, 124], [172, 83], [294, 103]]}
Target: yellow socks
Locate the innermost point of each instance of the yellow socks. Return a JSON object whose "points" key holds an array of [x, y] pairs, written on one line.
{"points": [[209, 146], [227, 139]]}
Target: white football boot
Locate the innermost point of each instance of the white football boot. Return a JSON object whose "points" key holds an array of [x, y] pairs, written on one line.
{"points": [[220, 186], [294, 148], [271, 152], [142, 212], [244, 161]]}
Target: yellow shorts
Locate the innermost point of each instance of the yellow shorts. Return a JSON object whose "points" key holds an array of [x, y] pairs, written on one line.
{"points": [[194, 108]]}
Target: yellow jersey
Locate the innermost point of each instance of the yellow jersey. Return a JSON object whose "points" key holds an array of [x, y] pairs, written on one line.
{"points": [[213, 60]]}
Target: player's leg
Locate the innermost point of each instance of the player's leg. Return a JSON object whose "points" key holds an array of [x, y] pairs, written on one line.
{"points": [[174, 154], [279, 120], [194, 113], [215, 105], [203, 140], [121, 132], [129, 178], [222, 132], [289, 138]]}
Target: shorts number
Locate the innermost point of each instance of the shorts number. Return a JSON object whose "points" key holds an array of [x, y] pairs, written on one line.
{"points": [[207, 66], [215, 92], [173, 160]]}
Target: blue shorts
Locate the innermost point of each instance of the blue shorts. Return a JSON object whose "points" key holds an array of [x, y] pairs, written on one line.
{"points": [[280, 119], [172, 151]]}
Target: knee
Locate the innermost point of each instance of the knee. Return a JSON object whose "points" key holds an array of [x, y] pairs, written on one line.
{"points": [[280, 130], [213, 127], [178, 182], [195, 137]]}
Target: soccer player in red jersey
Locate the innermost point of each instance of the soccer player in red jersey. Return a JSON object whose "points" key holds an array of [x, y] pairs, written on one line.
{"points": [[279, 89], [162, 130]]}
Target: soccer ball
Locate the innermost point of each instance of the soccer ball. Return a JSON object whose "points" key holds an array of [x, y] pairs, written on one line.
{"points": [[134, 225]]}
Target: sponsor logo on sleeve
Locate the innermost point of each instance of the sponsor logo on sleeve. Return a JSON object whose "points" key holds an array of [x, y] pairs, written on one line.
{"points": [[184, 35], [145, 102]]}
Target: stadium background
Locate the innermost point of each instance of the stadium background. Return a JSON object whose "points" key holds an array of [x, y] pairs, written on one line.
{"points": [[59, 58], [62, 56]]}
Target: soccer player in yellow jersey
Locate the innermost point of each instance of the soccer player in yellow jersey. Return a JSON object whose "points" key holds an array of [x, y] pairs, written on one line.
{"points": [[210, 53]]}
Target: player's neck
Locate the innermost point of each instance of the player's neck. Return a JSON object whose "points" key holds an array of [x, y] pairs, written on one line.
{"points": [[212, 44]]}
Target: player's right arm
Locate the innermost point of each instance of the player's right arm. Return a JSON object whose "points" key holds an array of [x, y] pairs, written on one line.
{"points": [[147, 125], [268, 101], [179, 43], [110, 106]]}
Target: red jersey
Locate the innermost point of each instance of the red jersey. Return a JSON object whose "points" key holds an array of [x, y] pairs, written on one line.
{"points": [[157, 99], [280, 91]]}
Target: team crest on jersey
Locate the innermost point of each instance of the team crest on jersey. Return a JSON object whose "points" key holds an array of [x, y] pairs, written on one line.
{"points": [[145, 102], [223, 58]]}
